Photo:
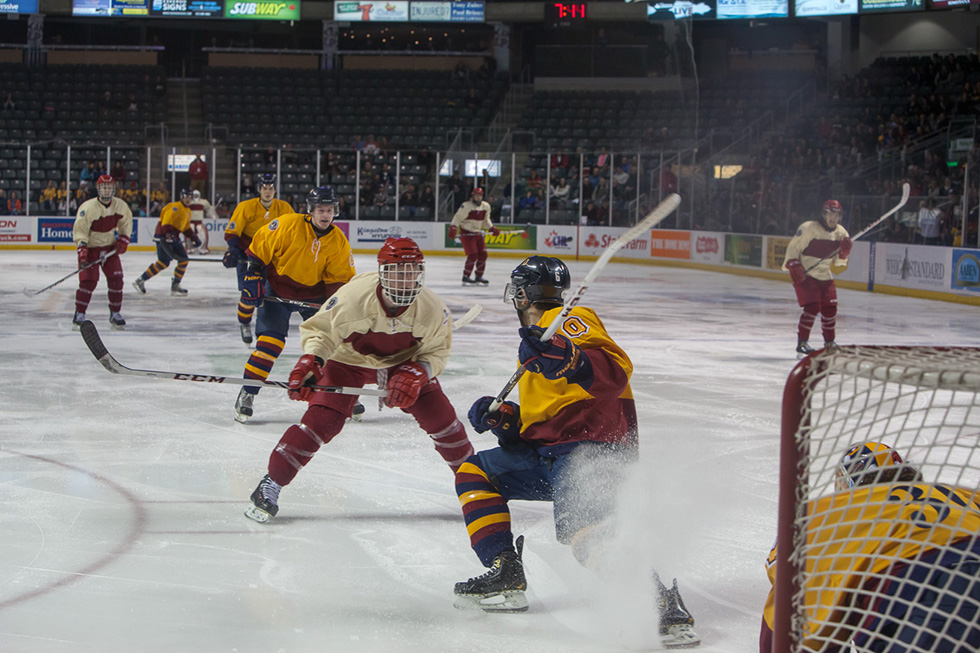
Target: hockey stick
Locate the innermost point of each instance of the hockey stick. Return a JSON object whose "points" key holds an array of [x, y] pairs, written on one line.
{"points": [[204, 260], [895, 209], [655, 217], [102, 257], [91, 336], [468, 317]]}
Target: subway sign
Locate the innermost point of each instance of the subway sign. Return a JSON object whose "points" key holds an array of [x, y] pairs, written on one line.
{"points": [[263, 10]]}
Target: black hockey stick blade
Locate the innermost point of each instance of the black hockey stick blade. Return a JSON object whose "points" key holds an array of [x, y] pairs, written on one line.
{"points": [[94, 342]]}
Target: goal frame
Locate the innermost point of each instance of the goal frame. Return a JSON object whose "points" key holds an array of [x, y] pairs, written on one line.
{"points": [[793, 473]]}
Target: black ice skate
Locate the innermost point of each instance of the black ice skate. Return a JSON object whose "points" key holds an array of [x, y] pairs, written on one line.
{"points": [[76, 321], [467, 281], [140, 285], [803, 348], [481, 281], [501, 589], [176, 290], [830, 347], [117, 322], [265, 501], [246, 330], [676, 623], [243, 406]]}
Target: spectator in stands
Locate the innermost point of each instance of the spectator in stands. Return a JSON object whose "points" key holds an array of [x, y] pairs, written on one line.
{"points": [[61, 195], [427, 197], [99, 171], [592, 214], [9, 104], [270, 158], [535, 184], [929, 226], [529, 202], [560, 194], [603, 159], [133, 107], [159, 196], [14, 204], [357, 144], [381, 195], [560, 163], [88, 172], [601, 191], [410, 199], [198, 170], [107, 105], [461, 73], [49, 197], [371, 146], [137, 210], [118, 173], [247, 184]]}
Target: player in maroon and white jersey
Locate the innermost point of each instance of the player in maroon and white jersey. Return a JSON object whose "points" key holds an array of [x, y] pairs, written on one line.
{"points": [[470, 221], [102, 229], [817, 245], [381, 327]]}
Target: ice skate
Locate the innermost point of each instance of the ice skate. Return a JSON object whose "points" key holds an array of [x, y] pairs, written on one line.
{"points": [[480, 281], [358, 413], [76, 321], [140, 285], [246, 330], [501, 589], [830, 347], [117, 322], [176, 290], [467, 281], [676, 623], [243, 405], [803, 348], [265, 501]]}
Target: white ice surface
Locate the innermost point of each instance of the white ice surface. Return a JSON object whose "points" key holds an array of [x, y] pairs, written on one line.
{"points": [[121, 498]]}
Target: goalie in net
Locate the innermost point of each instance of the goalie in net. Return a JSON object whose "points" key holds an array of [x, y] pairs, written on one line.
{"points": [[892, 562]]}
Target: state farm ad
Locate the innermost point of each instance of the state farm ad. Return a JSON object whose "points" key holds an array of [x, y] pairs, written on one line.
{"points": [[595, 240]]}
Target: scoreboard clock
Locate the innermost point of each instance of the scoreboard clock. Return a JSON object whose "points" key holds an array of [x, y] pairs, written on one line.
{"points": [[564, 14]]}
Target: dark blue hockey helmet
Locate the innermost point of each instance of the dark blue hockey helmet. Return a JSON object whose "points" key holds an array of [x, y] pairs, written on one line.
{"points": [[538, 279], [322, 195]]}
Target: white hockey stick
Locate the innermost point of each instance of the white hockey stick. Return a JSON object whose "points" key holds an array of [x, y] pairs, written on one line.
{"points": [[895, 209], [468, 317], [102, 257], [655, 217], [98, 349]]}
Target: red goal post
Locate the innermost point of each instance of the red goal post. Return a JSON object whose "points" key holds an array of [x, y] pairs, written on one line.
{"points": [[925, 403]]}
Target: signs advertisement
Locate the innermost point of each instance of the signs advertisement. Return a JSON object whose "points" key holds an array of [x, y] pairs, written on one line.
{"points": [[743, 250], [911, 266], [15, 229], [511, 237], [18, 6], [966, 270], [707, 247], [670, 244]]}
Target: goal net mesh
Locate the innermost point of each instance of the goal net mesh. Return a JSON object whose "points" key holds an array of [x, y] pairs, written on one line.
{"points": [[883, 553]]}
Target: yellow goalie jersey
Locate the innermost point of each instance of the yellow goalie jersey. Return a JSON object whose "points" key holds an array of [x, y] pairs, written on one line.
{"points": [[556, 412], [811, 243], [859, 534], [250, 216], [354, 328], [300, 264]]}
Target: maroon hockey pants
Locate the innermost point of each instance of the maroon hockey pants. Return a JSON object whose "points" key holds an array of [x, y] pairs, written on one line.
{"points": [[89, 279], [476, 253], [815, 297]]}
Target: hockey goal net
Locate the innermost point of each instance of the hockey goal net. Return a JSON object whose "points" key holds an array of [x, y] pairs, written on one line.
{"points": [[890, 563]]}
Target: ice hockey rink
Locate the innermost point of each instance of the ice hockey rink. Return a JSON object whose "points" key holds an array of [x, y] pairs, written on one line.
{"points": [[121, 526]]}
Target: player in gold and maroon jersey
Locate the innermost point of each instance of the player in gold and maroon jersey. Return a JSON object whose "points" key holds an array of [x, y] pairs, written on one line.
{"points": [[102, 229], [302, 257], [570, 441], [383, 327], [816, 246], [250, 216], [175, 219], [893, 562], [471, 220]]}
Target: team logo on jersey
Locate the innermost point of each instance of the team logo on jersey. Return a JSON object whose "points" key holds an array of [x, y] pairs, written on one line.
{"points": [[231, 225], [81, 213], [330, 303], [273, 225]]}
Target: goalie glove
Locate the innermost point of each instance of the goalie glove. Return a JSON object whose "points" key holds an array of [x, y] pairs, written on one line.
{"points": [[405, 382], [796, 272], [846, 245], [559, 358], [505, 422], [306, 371]]}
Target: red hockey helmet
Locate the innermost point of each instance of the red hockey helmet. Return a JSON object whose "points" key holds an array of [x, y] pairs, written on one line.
{"points": [[833, 205], [401, 270], [105, 186], [476, 190]]}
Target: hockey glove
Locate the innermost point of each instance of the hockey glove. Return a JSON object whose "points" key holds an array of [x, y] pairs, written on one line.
{"points": [[405, 382], [494, 231], [231, 258], [559, 358], [253, 287], [453, 231], [83, 256], [122, 244], [845, 248], [306, 372], [796, 272], [505, 423]]}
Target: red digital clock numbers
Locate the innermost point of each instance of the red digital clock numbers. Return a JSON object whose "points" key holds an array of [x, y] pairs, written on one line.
{"points": [[567, 10]]}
